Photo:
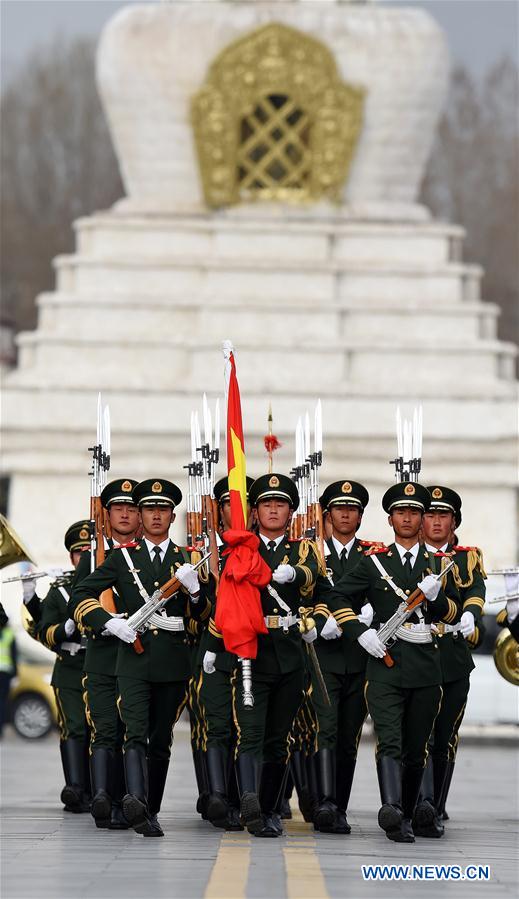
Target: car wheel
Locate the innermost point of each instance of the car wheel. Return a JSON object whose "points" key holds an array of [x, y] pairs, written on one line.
{"points": [[31, 716]]}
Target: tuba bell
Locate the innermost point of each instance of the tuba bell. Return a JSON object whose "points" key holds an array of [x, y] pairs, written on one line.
{"points": [[506, 657], [12, 549]]}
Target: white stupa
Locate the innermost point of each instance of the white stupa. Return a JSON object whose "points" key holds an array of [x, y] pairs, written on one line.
{"points": [[272, 154]]}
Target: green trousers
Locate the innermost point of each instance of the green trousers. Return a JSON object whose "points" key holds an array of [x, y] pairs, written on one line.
{"points": [[446, 727], [403, 719], [100, 694], [72, 720], [264, 730], [340, 723], [195, 709], [149, 710], [216, 702]]}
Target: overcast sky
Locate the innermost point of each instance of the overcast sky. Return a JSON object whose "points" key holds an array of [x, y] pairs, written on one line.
{"points": [[479, 31]]}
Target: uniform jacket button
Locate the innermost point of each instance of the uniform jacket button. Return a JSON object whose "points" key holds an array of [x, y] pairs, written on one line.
{"points": [[155, 633], [156, 584], [275, 610]]}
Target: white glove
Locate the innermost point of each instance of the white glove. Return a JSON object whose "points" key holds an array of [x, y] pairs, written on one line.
{"points": [[512, 609], [54, 573], [467, 624], [119, 628], [188, 577], [208, 662], [310, 635], [284, 574], [366, 614], [70, 626], [371, 642], [331, 629], [430, 587], [29, 589], [512, 582]]}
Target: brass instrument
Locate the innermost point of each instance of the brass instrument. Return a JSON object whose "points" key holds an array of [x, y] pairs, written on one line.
{"points": [[506, 657], [34, 575], [12, 549]]}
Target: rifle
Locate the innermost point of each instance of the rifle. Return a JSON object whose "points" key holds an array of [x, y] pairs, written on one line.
{"points": [[308, 519], [387, 631], [202, 508], [158, 599], [98, 478]]}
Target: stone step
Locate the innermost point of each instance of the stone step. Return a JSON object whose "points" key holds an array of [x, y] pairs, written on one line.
{"points": [[240, 278], [174, 364], [123, 317], [226, 237]]}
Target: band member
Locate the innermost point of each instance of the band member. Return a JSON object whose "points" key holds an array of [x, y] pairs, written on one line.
{"points": [[278, 670], [403, 700], [152, 683], [59, 632], [99, 680], [443, 516], [343, 663]]}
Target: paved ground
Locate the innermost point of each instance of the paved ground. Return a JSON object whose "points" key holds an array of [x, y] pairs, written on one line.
{"points": [[46, 853]]}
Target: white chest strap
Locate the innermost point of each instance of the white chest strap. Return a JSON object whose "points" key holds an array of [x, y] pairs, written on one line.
{"points": [[400, 593], [133, 571], [65, 595], [275, 595]]}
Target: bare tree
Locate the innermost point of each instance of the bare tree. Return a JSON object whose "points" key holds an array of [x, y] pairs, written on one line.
{"points": [[57, 163], [473, 179]]}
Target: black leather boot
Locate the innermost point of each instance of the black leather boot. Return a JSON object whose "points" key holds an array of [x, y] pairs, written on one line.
{"points": [[101, 776], [442, 800], [248, 775], [426, 821], [202, 783], [117, 819], [135, 802], [272, 788], [411, 783], [326, 811], [217, 805], [344, 782], [299, 771], [157, 776], [74, 794], [390, 784]]}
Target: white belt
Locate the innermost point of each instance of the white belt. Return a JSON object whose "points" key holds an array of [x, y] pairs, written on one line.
{"points": [[284, 621], [166, 622], [72, 648], [441, 628], [414, 633]]}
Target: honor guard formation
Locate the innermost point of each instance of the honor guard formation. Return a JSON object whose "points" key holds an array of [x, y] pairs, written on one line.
{"points": [[278, 635]]}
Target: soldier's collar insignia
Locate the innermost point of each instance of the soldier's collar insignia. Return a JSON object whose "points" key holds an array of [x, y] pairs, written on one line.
{"points": [[274, 481], [426, 555], [346, 487], [409, 490]]}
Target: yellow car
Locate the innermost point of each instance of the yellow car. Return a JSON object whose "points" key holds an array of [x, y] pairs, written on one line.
{"points": [[32, 707]]}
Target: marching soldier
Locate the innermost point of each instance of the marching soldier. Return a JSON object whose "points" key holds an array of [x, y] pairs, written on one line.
{"points": [[8, 663], [58, 631], [454, 639], [343, 663], [215, 695], [99, 680], [152, 683], [278, 670], [403, 700]]}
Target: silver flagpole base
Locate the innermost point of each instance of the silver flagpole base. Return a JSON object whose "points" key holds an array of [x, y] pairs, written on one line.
{"points": [[246, 670]]}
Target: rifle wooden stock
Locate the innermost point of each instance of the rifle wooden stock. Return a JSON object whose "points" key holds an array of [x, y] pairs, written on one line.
{"points": [[97, 516], [319, 531]]}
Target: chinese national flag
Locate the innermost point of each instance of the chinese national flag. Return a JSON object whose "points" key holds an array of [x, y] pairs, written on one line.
{"points": [[239, 616]]}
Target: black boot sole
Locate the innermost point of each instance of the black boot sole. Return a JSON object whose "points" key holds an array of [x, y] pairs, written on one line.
{"points": [[217, 807], [71, 798], [389, 818], [101, 808], [424, 815], [324, 820], [250, 812], [134, 811]]}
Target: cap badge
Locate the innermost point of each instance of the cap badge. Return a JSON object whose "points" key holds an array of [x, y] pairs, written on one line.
{"points": [[156, 487], [83, 534], [409, 490], [346, 487], [274, 481], [437, 494], [126, 487]]}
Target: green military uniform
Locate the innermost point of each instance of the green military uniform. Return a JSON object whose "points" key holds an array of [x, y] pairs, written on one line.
{"points": [[343, 664], [57, 632], [101, 693], [277, 670], [403, 700], [8, 662], [152, 684]]}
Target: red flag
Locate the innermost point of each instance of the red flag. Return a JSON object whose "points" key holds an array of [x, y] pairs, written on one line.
{"points": [[239, 616]]}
